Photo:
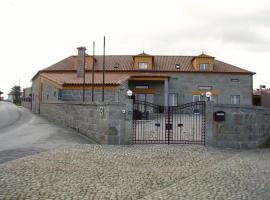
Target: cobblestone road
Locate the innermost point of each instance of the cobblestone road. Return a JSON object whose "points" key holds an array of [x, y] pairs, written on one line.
{"points": [[138, 172]]}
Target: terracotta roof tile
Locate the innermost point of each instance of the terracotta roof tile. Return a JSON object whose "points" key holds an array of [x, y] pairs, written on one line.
{"points": [[143, 54], [71, 78], [68, 78], [65, 64], [203, 55], [161, 63], [258, 91]]}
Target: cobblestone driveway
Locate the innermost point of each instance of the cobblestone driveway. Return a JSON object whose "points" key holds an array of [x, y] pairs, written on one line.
{"points": [[138, 172]]}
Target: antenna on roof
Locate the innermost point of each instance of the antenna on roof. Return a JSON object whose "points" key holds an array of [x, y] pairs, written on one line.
{"points": [[93, 71]]}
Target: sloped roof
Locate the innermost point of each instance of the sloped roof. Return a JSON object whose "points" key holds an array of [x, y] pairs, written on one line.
{"points": [[143, 54], [203, 55], [259, 92], [67, 78], [161, 63], [65, 64], [72, 79]]}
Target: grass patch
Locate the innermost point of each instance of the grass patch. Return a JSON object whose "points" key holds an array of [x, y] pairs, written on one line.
{"points": [[18, 103], [266, 144]]}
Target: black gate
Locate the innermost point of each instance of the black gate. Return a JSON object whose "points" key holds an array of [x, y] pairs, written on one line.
{"points": [[154, 124]]}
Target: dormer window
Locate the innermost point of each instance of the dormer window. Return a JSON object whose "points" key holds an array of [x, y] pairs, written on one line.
{"points": [[143, 61], [204, 66], [203, 62], [116, 66], [142, 65], [177, 66]]}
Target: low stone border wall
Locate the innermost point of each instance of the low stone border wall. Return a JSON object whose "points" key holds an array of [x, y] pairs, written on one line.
{"points": [[244, 126], [106, 123], [26, 104], [111, 123]]}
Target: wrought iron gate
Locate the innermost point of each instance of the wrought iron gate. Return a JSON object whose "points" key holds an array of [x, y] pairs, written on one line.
{"points": [[154, 124]]}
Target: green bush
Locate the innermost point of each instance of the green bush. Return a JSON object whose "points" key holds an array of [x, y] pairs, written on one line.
{"points": [[17, 102], [266, 144]]}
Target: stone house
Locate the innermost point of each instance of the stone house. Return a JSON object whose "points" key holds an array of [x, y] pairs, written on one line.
{"points": [[11, 97], [261, 97], [27, 92], [158, 79], [26, 97]]}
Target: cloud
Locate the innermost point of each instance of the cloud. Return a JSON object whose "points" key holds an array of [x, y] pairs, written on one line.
{"points": [[242, 25], [248, 31]]}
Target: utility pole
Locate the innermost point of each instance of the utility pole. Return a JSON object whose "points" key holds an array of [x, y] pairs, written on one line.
{"points": [[83, 76], [103, 70], [93, 72]]}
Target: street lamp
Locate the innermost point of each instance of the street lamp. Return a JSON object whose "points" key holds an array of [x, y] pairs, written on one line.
{"points": [[208, 95], [129, 94]]}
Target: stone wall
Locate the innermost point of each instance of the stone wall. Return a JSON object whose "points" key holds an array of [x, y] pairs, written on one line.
{"points": [[50, 92], [244, 126], [106, 123], [77, 95], [265, 99], [157, 98], [183, 84], [26, 104], [27, 92], [36, 95]]}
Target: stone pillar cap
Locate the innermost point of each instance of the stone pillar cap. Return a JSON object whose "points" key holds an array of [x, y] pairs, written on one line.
{"points": [[81, 48]]}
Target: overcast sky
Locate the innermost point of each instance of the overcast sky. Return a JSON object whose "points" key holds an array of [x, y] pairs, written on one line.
{"points": [[35, 34]]}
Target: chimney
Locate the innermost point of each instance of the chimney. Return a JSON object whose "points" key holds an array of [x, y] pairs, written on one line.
{"points": [[81, 61]]}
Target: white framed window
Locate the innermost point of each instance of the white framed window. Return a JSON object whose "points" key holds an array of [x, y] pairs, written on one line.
{"points": [[209, 88], [173, 98], [235, 99], [196, 97], [142, 65], [235, 80], [204, 66], [142, 86], [177, 66]]}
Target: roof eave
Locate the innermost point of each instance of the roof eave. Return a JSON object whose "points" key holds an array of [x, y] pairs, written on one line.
{"points": [[89, 84], [34, 77]]}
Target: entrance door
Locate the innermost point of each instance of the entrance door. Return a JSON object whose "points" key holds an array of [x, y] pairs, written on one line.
{"points": [[154, 124], [141, 97]]}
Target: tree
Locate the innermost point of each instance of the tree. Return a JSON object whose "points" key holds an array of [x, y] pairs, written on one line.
{"points": [[16, 92], [1, 93]]}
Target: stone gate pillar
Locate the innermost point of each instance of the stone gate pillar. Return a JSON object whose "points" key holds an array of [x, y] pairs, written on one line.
{"points": [[209, 137]]}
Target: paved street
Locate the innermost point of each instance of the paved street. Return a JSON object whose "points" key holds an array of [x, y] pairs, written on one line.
{"points": [[166, 172], [23, 133], [72, 169]]}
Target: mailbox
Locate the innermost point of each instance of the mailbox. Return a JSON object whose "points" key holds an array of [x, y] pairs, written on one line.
{"points": [[219, 116]]}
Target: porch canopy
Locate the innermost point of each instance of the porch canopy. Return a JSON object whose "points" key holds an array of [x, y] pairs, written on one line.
{"points": [[150, 77]]}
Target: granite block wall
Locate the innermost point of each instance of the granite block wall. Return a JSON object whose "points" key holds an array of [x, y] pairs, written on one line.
{"points": [[36, 95], [26, 104], [244, 126], [265, 99], [183, 85], [105, 123], [77, 95]]}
